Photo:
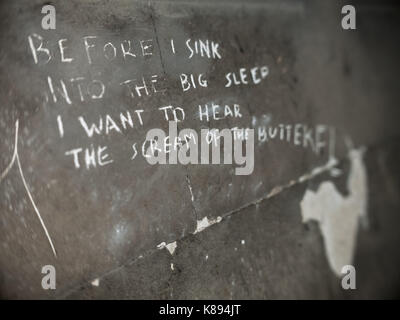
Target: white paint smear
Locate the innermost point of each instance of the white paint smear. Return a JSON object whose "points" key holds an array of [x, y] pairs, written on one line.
{"points": [[337, 215]]}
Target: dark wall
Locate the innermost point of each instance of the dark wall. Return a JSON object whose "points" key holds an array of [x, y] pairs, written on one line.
{"points": [[259, 236]]}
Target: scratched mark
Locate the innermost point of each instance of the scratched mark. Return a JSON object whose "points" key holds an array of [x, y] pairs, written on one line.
{"points": [[15, 158]]}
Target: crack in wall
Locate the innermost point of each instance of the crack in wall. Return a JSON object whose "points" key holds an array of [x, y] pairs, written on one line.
{"points": [[157, 40], [189, 184], [329, 166]]}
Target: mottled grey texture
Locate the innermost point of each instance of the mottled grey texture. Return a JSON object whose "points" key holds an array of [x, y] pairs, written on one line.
{"points": [[106, 223]]}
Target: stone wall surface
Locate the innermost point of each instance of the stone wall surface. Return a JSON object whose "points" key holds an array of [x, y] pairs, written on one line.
{"points": [[324, 190]]}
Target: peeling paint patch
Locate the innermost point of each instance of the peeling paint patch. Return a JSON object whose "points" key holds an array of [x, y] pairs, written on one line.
{"points": [[205, 223], [275, 191], [95, 282], [161, 245], [337, 215], [335, 172], [171, 247], [332, 162]]}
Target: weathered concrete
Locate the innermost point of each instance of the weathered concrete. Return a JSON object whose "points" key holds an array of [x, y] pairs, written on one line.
{"points": [[265, 251], [114, 227]]}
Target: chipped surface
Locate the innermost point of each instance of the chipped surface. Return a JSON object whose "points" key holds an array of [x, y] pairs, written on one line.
{"points": [[107, 222], [205, 223], [95, 282], [338, 216], [171, 247], [282, 258]]}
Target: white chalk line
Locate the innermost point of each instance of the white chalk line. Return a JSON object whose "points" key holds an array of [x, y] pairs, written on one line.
{"points": [[5, 172], [15, 157]]}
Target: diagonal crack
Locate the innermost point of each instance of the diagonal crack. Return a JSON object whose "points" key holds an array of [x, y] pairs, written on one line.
{"points": [[189, 184], [275, 191]]}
